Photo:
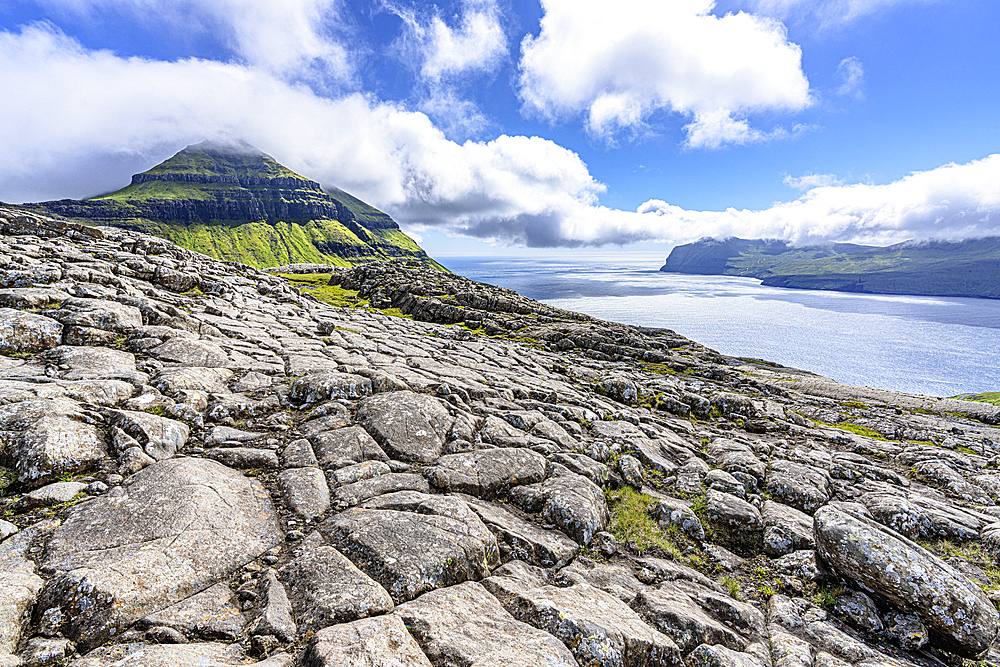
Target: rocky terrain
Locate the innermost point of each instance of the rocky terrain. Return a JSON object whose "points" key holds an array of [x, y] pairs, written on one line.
{"points": [[205, 465]]}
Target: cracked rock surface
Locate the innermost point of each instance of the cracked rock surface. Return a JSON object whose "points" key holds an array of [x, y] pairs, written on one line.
{"points": [[203, 464]]}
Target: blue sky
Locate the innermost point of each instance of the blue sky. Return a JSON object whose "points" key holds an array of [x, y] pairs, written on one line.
{"points": [[488, 125]]}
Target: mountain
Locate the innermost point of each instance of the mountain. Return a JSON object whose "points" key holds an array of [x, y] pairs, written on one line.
{"points": [[939, 268], [234, 202]]}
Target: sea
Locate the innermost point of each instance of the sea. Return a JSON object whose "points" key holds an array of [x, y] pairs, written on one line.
{"points": [[936, 346]]}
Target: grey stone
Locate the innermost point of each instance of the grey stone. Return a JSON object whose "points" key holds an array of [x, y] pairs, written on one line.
{"points": [[27, 333], [382, 641], [523, 540], [50, 494], [408, 426], [352, 494], [41, 652], [613, 578], [905, 574], [19, 583], [598, 628], [298, 454], [179, 527], [97, 314], [465, 625], [671, 610], [159, 437], [786, 529], [191, 352], [673, 512], [172, 655], [317, 387], [172, 381], [576, 505], [410, 554], [720, 656], [327, 588], [732, 512], [213, 613], [276, 611], [631, 470], [907, 630], [341, 447], [48, 437], [358, 472], [800, 486], [26, 298], [859, 611], [305, 491], [487, 473], [245, 457], [87, 363]]}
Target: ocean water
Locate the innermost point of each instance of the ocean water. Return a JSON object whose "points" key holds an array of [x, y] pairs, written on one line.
{"points": [[939, 346]]}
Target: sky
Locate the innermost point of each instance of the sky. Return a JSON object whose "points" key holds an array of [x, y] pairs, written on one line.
{"points": [[511, 126]]}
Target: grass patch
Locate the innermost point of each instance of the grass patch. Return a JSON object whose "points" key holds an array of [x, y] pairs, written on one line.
{"points": [[632, 524], [972, 552], [992, 397], [315, 284], [857, 430]]}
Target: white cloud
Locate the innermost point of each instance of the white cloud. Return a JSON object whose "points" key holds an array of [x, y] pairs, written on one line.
{"points": [[826, 13], [810, 181], [618, 63], [477, 44], [286, 37], [852, 72]]}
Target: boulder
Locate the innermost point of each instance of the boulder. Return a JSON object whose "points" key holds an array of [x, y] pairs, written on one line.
{"points": [[732, 512], [191, 352], [213, 613], [575, 505], [179, 527], [159, 437], [522, 540], [465, 625], [19, 583], [671, 610], [786, 529], [305, 491], [798, 485], [408, 426], [97, 314], [341, 447], [905, 574]]}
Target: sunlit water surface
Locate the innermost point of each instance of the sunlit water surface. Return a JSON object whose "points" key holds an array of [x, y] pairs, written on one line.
{"points": [[939, 346]]}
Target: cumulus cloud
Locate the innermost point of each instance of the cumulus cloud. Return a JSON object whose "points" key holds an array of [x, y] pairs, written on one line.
{"points": [[287, 37], [825, 13], [619, 63]]}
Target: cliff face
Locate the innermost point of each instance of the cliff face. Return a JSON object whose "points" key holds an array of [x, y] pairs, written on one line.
{"points": [[237, 203]]}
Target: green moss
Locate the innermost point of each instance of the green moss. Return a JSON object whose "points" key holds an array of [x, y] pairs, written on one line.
{"points": [[855, 405], [992, 397], [315, 284], [632, 524], [858, 430]]}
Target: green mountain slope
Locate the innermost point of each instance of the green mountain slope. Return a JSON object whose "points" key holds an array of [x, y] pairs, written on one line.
{"points": [[940, 268], [234, 202]]}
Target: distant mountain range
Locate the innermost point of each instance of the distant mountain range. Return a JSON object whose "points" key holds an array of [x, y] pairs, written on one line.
{"points": [[939, 268], [234, 202]]}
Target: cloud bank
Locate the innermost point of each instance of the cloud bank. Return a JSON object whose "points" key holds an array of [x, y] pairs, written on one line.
{"points": [[618, 63], [70, 110]]}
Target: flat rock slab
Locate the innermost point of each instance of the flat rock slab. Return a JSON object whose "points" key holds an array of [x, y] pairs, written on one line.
{"points": [[786, 529], [191, 352], [89, 363], [487, 473], [340, 447], [465, 625], [305, 491], [358, 492], [408, 426], [410, 554], [522, 540], [245, 457], [48, 437], [28, 333], [902, 572], [179, 527], [212, 614], [19, 583], [382, 641], [801, 486], [170, 381], [598, 628], [173, 655], [326, 588], [97, 314], [733, 512], [318, 387]]}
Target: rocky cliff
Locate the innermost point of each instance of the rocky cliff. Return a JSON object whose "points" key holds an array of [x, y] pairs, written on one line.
{"points": [[236, 203], [205, 465]]}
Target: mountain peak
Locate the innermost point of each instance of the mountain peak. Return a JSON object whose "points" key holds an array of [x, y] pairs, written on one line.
{"points": [[224, 161]]}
